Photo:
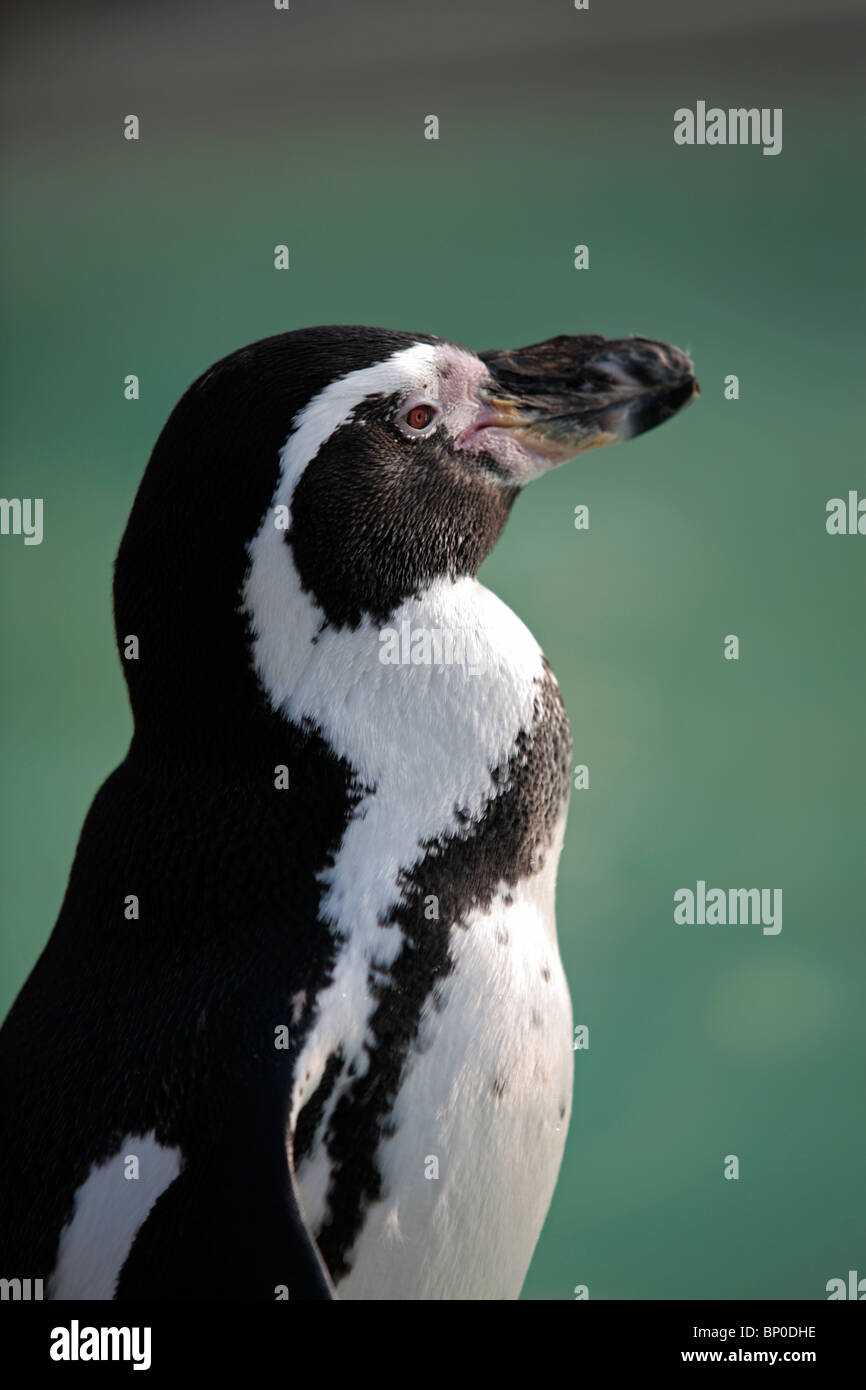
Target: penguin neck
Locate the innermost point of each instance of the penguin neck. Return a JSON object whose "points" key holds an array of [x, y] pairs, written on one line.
{"points": [[427, 746], [451, 678]]}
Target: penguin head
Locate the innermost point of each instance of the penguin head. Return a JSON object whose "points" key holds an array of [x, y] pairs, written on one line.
{"points": [[404, 471], [358, 465]]}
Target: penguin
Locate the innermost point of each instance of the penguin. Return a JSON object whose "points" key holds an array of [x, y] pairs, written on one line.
{"points": [[301, 1029]]}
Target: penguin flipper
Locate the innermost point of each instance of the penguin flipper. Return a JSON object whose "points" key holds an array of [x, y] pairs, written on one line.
{"points": [[223, 1231]]}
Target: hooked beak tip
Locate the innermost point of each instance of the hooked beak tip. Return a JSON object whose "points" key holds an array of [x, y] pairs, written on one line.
{"points": [[549, 402]]}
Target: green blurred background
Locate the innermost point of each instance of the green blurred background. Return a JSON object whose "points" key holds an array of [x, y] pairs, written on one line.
{"points": [[556, 128]]}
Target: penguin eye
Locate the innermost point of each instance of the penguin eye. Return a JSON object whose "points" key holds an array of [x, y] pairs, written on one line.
{"points": [[416, 420]]}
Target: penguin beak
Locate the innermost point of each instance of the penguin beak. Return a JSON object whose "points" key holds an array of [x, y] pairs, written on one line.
{"points": [[549, 402]]}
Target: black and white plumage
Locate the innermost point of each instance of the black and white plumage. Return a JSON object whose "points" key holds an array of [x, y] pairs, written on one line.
{"points": [[393, 907]]}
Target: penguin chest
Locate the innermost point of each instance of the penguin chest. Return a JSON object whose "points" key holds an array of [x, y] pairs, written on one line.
{"points": [[432, 1085], [479, 1123], [463, 1158]]}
